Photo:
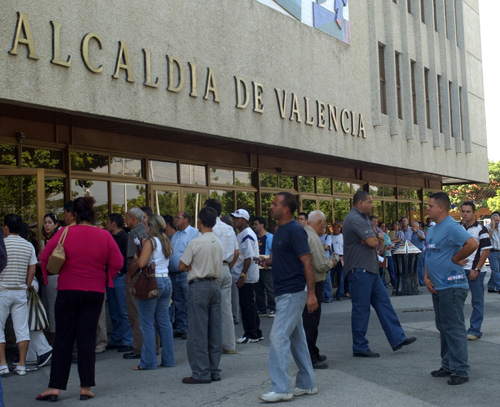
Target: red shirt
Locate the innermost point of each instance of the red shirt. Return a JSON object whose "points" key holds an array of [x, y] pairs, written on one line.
{"points": [[88, 251]]}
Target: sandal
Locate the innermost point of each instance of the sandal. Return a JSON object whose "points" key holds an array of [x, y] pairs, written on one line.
{"points": [[4, 369], [140, 368]]}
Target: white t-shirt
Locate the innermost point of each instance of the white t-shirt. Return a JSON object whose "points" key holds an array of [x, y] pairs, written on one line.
{"points": [[161, 262], [338, 244], [249, 247], [20, 255]]}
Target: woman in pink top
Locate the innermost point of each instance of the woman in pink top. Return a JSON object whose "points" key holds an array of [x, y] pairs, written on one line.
{"points": [[92, 260]]}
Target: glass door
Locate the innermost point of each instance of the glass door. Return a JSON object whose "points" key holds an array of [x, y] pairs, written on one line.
{"points": [[193, 199], [165, 200], [22, 191]]}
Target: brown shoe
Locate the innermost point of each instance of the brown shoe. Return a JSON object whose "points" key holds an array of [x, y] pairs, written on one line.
{"points": [[228, 352], [191, 380]]}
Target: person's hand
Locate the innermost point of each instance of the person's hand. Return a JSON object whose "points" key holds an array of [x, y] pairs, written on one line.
{"points": [[429, 285], [262, 261], [31, 287], [312, 302], [241, 282], [473, 275]]}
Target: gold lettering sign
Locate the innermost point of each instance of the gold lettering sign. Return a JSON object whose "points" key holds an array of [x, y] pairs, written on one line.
{"points": [[123, 62], [321, 114], [23, 27], [211, 86], [192, 69], [258, 90], [147, 70], [242, 93], [295, 109], [281, 101], [85, 51], [56, 46], [173, 62]]}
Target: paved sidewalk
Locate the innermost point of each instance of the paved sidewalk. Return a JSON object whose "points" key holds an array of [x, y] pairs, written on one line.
{"points": [[399, 378]]}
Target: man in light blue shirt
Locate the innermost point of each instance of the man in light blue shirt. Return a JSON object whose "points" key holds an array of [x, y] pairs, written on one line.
{"points": [[185, 233]]}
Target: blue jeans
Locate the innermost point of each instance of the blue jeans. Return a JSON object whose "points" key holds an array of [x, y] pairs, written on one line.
{"points": [[338, 271], [367, 289], [328, 288], [494, 281], [151, 311], [1, 394], [476, 288], [287, 334], [450, 322], [420, 267], [180, 297], [122, 333], [390, 269]]}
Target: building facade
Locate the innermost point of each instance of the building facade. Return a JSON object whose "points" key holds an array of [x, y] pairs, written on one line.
{"points": [[168, 103]]}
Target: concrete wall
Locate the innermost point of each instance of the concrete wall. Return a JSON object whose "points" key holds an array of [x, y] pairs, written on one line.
{"points": [[249, 40]]}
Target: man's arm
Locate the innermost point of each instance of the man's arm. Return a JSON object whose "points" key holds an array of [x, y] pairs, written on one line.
{"points": [[184, 267], [373, 241], [246, 265], [312, 302], [428, 283], [30, 276], [482, 259], [235, 257], [467, 249]]}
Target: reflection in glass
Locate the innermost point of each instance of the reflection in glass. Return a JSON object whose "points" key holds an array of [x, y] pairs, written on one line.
{"points": [[406, 193], [389, 213], [193, 202], [341, 209], [219, 176], [415, 212], [268, 181], [377, 210], [193, 174], [225, 198], [246, 200], [243, 178], [127, 196], [126, 166], [19, 196], [355, 188], [308, 205], [54, 196], [89, 162], [265, 202], [8, 155], [327, 208], [42, 158], [165, 203], [404, 210], [306, 184], [287, 182], [324, 185], [163, 171], [97, 189], [342, 187]]}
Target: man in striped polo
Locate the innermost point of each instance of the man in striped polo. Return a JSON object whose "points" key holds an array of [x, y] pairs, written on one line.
{"points": [[475, 268], [15, 279]]}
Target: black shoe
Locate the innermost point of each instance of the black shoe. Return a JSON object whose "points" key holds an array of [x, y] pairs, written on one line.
{"points": [[131, 355], [190, 380], [406, 342], [366, 354], [215, 377], [44, 359], [322, 358], [442, 372], [111, 347], [319, 365], [338, 298], [178, 334], [124, 348], [492, 291], [456, 380]]}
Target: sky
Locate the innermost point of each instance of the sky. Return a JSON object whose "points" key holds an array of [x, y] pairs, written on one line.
{"points": [[489, 10]]}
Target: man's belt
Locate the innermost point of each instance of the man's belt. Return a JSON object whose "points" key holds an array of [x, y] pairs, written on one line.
{"points": [[197, 280], [494, 250]]}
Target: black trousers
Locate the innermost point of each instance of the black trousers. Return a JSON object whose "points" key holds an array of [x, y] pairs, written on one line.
{"points": [[77, 313], [311, 324], [249, 316]]}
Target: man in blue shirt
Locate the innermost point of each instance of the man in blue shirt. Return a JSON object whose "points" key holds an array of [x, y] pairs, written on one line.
{"points": [[292, 273], [447, 247], [264, 294], [185, 233], [418, 240]]}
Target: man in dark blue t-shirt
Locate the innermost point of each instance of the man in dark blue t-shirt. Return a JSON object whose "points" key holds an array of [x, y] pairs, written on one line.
{"points": [[292, 273]]}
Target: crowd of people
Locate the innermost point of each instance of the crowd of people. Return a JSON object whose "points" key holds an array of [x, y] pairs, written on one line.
{"points": [[209, 277]]}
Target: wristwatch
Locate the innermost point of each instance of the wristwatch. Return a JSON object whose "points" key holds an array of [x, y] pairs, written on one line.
{"points": [[243, 275], [475, 268]]}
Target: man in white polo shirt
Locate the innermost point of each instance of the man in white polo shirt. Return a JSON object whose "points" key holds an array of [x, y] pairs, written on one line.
{"points": [[15, 279]]}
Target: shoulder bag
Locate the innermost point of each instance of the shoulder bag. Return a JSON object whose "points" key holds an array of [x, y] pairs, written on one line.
{"points": [[145, 287], [37, 316], [58, 256]]}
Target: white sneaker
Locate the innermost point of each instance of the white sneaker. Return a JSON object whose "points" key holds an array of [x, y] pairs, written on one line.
{"points": [[4, 369], [244, 339], [20, 371], [471, 337], [300, 392], [273, 397]]}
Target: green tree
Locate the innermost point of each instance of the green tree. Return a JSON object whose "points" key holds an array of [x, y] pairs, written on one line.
{"points": [[483, 195]]}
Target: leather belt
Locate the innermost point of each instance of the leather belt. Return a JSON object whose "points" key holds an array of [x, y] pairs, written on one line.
{"points": [[197, 280]]}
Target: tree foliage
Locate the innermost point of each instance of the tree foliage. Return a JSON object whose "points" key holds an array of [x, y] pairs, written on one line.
{"points": [[483, 195]]}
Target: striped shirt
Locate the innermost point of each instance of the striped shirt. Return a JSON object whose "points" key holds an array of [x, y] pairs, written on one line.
{"points": [[20, 255], [226, 235], [482, 237]]}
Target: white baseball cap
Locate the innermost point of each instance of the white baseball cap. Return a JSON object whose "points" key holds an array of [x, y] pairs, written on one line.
{"points": [[241, 213]]}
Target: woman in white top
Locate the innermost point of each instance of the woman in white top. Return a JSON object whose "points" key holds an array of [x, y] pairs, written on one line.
{"points": [[156, 248]]}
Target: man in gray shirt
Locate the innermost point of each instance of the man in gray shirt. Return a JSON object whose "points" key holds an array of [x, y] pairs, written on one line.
{"points": [[361, 263]]}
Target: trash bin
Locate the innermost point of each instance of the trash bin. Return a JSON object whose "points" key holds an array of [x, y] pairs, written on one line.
{"points": [[405, 260]]}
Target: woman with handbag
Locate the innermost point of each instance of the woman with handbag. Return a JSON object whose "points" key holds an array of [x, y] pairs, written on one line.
{"points": [[154, 258], [92, 259], [50, 227]]}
